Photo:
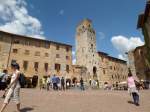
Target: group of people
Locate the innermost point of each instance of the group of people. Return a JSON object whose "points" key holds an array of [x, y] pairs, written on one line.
{"points": [[59, 83], [13, 89], [53, 82]]}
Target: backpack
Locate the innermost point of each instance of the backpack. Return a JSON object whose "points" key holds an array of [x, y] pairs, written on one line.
{"points": [[22, 80], [1, 77]]}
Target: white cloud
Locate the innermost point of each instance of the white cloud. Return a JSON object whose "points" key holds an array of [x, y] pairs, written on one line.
{"points": [[61, 12], [17, 20], [124, 44]]}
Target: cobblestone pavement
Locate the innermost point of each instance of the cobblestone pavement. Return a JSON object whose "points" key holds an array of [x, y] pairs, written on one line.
{"points": [[34, 100]]}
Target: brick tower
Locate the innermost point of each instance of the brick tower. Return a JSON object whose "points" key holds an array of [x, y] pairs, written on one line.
{"points": [[86, 48]]}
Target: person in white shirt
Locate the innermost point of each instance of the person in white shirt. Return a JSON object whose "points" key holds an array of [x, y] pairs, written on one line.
{"points": [[13, 89]]}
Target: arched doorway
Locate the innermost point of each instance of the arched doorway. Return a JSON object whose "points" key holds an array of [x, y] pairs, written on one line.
{"points": [[94, 72]]}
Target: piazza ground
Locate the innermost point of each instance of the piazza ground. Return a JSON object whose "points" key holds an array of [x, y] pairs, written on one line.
{"points": [[34, 100]]}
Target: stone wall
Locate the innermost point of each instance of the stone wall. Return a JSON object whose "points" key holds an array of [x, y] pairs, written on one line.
{"points": [[112, 70], [35, 50]]}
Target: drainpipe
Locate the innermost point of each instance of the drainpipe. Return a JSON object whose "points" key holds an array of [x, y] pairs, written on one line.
{"points": [[9, 51]]}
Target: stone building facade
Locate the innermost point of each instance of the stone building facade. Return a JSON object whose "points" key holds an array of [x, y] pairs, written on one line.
{"points": [[111, 70], [131, 61], [138, 64], [98, 65], [142, 53], [43, 57], [35, 56], [144, 24]]}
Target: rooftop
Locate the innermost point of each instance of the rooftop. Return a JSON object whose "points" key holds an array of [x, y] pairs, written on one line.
{"points": [[110, 57], [86, 19], [102, 53], [34, 38]]}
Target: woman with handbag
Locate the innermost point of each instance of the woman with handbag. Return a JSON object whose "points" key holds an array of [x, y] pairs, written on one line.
{"points": [[132, 89], [13, 90]]}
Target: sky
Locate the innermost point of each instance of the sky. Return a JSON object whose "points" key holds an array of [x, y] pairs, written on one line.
{"points": [[115, 21]]}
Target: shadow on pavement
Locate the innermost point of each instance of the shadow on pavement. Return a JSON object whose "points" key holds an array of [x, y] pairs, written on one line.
{"points": [[131, 102], [26, 109]]}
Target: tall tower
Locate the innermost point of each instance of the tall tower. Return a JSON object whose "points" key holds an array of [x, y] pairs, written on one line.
{"points": [[86, 55]]}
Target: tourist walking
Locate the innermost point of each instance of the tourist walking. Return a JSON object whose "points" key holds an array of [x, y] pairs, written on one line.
{"points": [[43, 83], [3, 80], [132, 89], [48, 81], [62, 83], [40, 84], [82, 84], [54, 81], [13, 90]]}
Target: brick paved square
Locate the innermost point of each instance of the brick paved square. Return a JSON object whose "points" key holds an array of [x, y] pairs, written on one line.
{"points": [[34, 100]]}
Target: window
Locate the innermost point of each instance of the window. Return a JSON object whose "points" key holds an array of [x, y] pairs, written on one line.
{"points": [[112, 77], [25, 65], [67, 68], [36, 65], [15, 50], [57, 67], [1, 37], [111, 67], [57, 47], [46, 54], [37, 53], [47, 45], [114, 68], [37, 44], [89, 25], [67, 57], [141, 53], [103, 71], [27, 52], [57, 56], [46, 67], [27, 43], [67, 49], [16, 41]]}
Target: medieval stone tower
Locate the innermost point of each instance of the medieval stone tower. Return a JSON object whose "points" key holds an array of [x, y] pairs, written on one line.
{"points": [[86, 55]]}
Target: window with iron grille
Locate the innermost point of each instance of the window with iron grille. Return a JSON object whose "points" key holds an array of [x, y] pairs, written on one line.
{"points": [[57, 56], [57, 47], [67, 68], [46, 54], [46, 67], [15, 50], [37, 53], [36, 65], [25, 65], [27, 52], [57, 67]]}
